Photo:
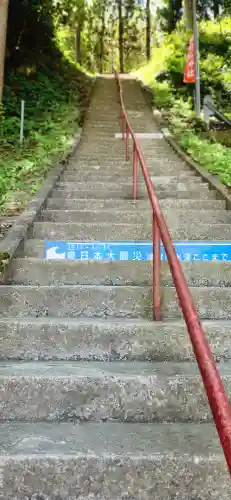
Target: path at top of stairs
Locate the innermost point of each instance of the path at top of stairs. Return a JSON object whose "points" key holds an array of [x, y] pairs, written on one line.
{"points": [[98, 402]]}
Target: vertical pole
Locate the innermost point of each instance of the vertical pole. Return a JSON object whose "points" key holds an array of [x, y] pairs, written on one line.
{"points": [[127, 142], [156, 286], [22, 122], [197, 60], [123, 126], [135, 172]]}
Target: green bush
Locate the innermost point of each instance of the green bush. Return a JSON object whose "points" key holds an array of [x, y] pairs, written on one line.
{"points": [[162, 95], [55, 99], [168, 62], [214, 157], [211, 150]]}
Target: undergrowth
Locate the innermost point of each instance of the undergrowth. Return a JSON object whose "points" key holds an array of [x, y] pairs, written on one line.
{"points": [[164, 75], [55, 101]]}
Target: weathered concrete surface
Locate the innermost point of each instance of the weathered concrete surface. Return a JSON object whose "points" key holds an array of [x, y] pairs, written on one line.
{"points": [[90, 339], [19, 230], [163, 188], [111, 462], [101, 231], [74, 301], [120, 391], [35, 248], [139, 206], [126, 194], [122, 172], [122, 175], [107, 301], [118, 215], [108, 166], [50, 272], [128, 232]]}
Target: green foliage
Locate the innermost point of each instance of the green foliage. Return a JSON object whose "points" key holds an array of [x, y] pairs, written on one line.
{"points": [[23, 168], [212, 150], [55, 103], [168, 62], [43, 93], [162, 95], [214, 157], [30, 36], [169, 14], [98, 43]]}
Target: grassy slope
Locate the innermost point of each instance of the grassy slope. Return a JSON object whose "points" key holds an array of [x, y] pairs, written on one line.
{"points": [[55, 103], [175, 100]]}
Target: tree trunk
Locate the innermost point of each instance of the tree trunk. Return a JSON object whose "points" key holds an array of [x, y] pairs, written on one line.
{"points": [[148, 31], [3, 32], [188, 14], [216, 8], [102, 32], [121, 36], [78, 43]]}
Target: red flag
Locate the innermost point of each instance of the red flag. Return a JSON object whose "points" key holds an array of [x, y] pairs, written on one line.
{"points": [[189, 74]]}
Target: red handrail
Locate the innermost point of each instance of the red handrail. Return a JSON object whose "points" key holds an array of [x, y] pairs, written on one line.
{"points": [[213, 385]]}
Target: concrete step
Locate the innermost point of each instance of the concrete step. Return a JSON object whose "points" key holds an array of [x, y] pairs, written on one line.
{"points": [[137, 216], [122, 176], [108, 147], [111, 339], [107, 301], [167, 184], [146, 461], [49, 272], [97, 204], [124, 192], [109, 173], [103, 231], [90, 231], [117, 159], [153, 160], [33, 248], [122, 391], [82, 162]]}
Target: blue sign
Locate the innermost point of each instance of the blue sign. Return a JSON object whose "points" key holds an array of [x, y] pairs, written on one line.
{"points": [[134, 250]]}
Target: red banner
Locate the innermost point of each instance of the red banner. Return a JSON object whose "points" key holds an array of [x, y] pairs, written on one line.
{"points": [[189, 74]]}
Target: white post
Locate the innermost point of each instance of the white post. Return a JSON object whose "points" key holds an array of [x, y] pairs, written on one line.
{"points": [[22, 122], [197, 61]]}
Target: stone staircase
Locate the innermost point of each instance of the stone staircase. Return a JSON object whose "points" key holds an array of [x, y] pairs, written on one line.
{"points": [[97, 401]]}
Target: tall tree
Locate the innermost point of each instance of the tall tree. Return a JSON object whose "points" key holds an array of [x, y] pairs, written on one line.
{"points": [[80, 19], [3, 30], [121, 35], [169, 14], [102, 34], [148, 30], [188, 14]]}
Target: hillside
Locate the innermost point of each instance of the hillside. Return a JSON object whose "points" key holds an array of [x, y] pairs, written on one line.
{"points": [[56, 93], [164, 76]]}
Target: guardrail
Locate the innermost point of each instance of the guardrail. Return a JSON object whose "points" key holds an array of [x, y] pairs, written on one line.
{"points": [[219, 404]]}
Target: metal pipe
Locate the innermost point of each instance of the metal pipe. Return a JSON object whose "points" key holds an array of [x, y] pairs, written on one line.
{"points": [[156, 284], [197, 60], [127, 142], [135, 172], [123, 126], [214, 388]]}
